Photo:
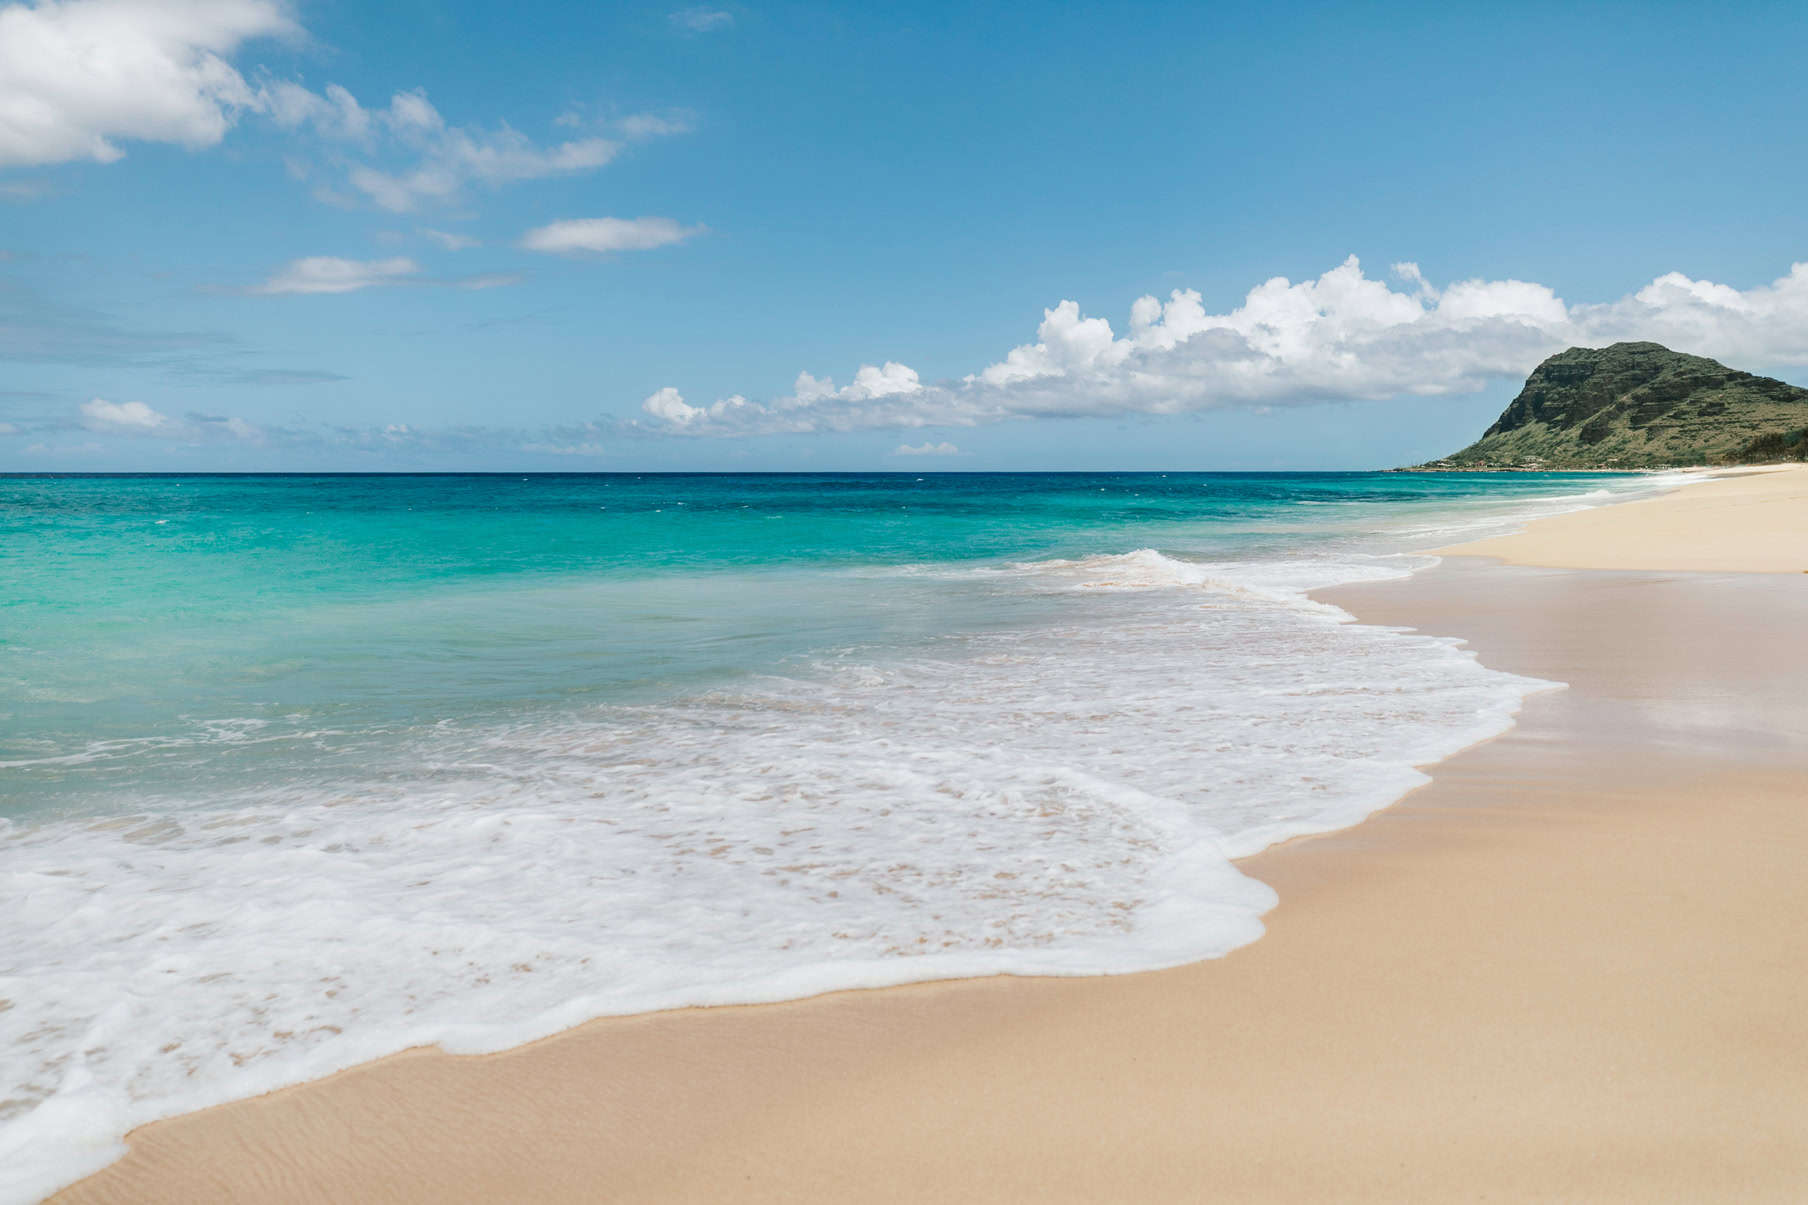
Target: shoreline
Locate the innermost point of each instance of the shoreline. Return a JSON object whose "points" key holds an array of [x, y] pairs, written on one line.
{"points": [[1726, 522], [785, 1092]]}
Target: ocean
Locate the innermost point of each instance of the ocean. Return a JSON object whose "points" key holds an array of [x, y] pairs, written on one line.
{"points": [[297, 771]]}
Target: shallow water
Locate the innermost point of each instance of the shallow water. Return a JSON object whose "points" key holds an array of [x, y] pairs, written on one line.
{"points": [[298, 771]]}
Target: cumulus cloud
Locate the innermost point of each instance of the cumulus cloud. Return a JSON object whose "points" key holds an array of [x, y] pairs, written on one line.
{"points": [[330, 274], [1763, 325], [701, 19], [1340, 336], [669, 406], [871, 381], [77, 77], [926, 449], [601, 235], [887, 380]]}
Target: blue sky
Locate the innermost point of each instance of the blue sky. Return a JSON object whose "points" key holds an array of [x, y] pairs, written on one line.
{"points": [[246, 235]]}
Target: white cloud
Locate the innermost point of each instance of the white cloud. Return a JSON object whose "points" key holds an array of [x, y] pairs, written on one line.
{"points": [[638, 126], [889, 380], [635, 127], [408, 155], [808, 389], [412, 111], [446, 158], [79, 76], [330, 274], [136, 417], [8, 429], [668, 405], [1339, 336], [1763, 325], [449, 240], [1066, 343], [337, 114], [701, 19], [926, 449], [598, 235], [489, 280], [871, 381]]}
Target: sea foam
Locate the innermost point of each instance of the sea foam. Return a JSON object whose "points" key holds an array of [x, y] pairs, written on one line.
{"points": [[1060, 797]]}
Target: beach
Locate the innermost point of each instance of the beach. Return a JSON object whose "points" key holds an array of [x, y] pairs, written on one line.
{"points": [[1568, 967], [1748, 521]]}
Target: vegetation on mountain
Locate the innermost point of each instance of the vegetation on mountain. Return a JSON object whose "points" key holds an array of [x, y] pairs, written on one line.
{"points": [[1640, 406]]}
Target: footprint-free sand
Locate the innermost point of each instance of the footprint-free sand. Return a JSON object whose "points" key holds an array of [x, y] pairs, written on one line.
{"points": [[1570, 968]]}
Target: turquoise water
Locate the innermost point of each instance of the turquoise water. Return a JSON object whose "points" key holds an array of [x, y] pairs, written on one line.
{"points": [[140, 610], [299, 770]]}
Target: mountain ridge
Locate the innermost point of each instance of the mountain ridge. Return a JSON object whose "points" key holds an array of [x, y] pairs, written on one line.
{"points": [[1639, 406]]}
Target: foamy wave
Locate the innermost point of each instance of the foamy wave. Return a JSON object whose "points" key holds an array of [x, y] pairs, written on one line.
{"points": [[1283, 582], [1142, 569], [1062, 799], [1502, 518]]}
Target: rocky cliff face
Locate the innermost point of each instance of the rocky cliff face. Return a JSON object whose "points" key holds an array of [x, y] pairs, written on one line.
{"points": [[1640, 406]]}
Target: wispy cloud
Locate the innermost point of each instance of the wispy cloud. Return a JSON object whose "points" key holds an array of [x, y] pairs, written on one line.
{"points": [[1342, 335], [330, 274], [441, 160], [137, 419], [450, 240], [602, 235], [639, 127], [21, 192], [701, 19], [36, 328], [487, 280], [334, 113], [926, 449], [221, 374]]}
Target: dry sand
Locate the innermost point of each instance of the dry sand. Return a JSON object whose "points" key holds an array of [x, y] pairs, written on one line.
{"points": [[1753, 521], [1570, 969]]}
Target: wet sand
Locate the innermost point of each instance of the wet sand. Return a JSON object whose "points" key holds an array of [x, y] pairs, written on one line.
{"points": [[1569, 968]]}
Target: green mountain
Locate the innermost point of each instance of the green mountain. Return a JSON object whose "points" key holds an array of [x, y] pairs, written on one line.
{"points": [[1640, 406]]}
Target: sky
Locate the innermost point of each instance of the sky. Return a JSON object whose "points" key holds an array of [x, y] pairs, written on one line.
{"points": [[254, 235]]}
